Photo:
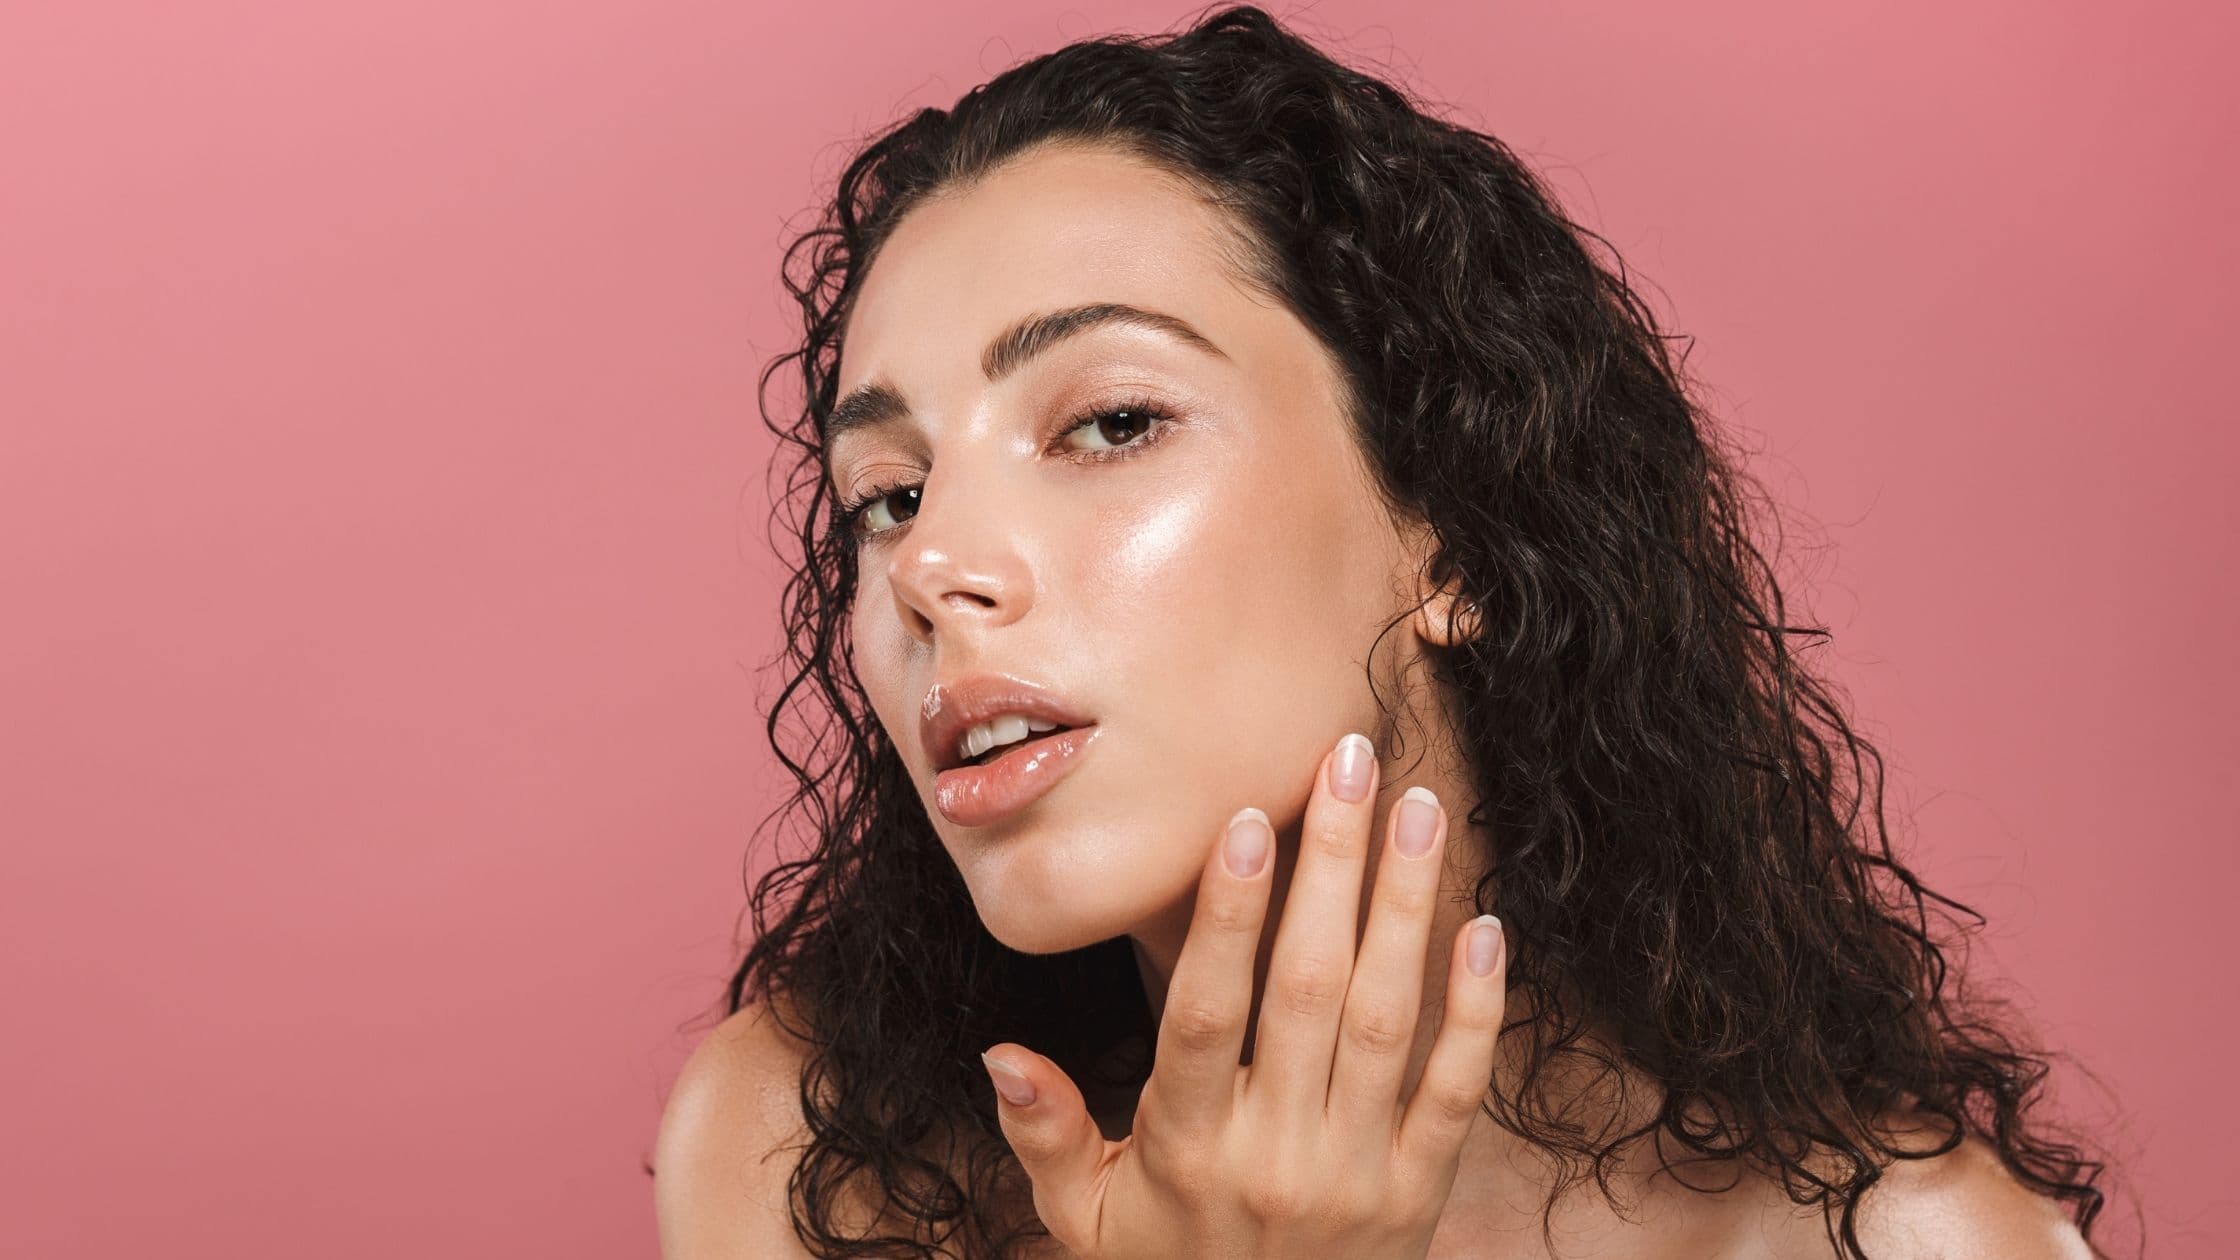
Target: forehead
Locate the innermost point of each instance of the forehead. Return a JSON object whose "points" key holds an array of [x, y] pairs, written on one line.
{"points": [[1050, 230]]}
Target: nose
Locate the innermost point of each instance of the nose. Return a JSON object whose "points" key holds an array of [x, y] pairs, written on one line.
{"points": [[959, 570]]}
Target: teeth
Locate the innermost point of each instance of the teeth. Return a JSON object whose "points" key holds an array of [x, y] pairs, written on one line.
{"points": [[1010, 728]]}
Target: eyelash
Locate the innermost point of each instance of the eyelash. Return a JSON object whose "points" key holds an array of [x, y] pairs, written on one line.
{"points": [[1159, 418]]}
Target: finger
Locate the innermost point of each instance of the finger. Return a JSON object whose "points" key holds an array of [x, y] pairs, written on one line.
{"points": [[1459, 1072], [1209, 996], [1377, 1031], [1312, 962], [1056, 1139]]}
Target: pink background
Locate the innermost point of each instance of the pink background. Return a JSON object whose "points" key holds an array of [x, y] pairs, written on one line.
{"points": [[381, 523]]}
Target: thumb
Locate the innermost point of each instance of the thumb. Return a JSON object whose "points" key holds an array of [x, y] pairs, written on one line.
{"points": [[1053, 1134]]}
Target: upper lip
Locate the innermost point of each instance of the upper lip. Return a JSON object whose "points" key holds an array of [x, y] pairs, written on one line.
{"points": [[954, 707]]}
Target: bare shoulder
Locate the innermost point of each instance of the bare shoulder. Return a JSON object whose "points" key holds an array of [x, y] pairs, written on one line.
{"points": [[731, 1135], [728, 1143], [1963, 1203], [1955, 1206]]}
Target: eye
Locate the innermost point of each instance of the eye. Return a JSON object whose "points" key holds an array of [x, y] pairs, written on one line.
{"points": [[1124, 428], [858, 520], [1132, 420]]}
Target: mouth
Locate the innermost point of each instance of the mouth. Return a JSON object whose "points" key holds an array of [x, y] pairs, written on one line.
{"points": [[1002, 781], [998, 741], [1001, 751]]}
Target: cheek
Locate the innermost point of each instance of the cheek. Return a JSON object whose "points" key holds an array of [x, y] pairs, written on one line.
{"points": [[883, 645], [882, 663], [1157, 547], [1230, 625], [1231, 557]]}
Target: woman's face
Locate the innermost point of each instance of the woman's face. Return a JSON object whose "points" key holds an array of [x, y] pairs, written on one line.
{"points": [[1200, 572]]}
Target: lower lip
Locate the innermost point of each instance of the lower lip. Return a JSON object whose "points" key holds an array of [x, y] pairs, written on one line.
{"points": [[974, 796]]}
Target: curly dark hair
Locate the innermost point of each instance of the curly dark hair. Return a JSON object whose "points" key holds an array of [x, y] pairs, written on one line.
{"points": [[1681, 857]]}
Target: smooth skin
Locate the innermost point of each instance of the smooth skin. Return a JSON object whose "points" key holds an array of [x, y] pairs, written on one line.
{"points": [[1212, 600], [1314, 1148]]}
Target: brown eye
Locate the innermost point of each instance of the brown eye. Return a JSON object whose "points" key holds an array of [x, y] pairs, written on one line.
{"points": [[1117, 426], [864, 519]]}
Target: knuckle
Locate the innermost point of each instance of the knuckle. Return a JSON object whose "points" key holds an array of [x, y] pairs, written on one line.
{"points": [[1275, 1198], [1311, 989], [1232, 916], [1339, 837], [1456, 1107], [1379, 1032], [1350, 1206], [1196, 1024]]}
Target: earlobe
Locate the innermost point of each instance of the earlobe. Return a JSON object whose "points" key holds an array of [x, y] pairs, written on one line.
{"points": [[1448, 620], [1444, 617]]}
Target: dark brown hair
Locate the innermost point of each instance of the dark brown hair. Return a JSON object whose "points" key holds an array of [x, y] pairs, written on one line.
{"points": [[1691, 846]]}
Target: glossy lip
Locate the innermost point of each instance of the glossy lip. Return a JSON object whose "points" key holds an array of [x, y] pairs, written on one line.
{"points": [[956, 706], [975, 796]]}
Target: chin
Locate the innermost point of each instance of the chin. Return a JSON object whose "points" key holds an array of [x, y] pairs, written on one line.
{"points": [[1037, 907], [1047, 932], [1035, 924], [1056, 906]]}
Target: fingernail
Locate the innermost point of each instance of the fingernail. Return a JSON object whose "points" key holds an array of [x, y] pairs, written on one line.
{"points": [[1418, 824], [1016, 1089], [1245, 850], [1350, 768], [1485, 945]]}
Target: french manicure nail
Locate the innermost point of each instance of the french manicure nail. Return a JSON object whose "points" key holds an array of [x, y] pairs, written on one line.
{"points": [[1485, 944], [1418, 824], [1350, 767], [1245, 849]]}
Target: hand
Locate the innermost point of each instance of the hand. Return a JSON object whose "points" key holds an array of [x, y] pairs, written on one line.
{"points": [[1309, 1151]]}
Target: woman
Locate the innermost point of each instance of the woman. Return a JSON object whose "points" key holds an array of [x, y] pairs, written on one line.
{"points": [[1210, 459]]}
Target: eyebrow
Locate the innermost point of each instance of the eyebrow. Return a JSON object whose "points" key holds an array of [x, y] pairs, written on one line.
{"points": [[875, 403]]}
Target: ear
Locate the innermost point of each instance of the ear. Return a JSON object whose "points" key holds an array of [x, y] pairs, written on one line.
{"points": [[1446, 617]]}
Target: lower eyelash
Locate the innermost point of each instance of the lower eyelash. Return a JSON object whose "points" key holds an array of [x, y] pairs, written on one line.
{"points": [[1161, 421]]}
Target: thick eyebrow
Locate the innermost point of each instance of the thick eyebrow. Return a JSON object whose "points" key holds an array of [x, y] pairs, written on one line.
{"points": [[876, 403]]}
